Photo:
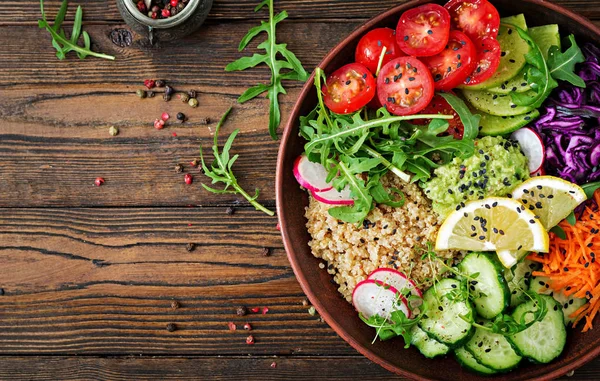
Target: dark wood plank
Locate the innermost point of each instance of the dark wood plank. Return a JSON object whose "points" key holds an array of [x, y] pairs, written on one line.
{"points": [[27, 11], [101, 281], [50, 368]]}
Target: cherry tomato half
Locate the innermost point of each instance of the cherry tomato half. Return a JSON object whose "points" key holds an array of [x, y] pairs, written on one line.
{"points": [[478, 19], [404, 86], [439, 105], [452, 65], [349, 88], [370, 46], [423, 31], [488, 59]]}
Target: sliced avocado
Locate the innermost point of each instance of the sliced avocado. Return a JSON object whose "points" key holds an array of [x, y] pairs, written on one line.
{"points": [[501, 125], [495, 104], [544, 36], [512, 58]]}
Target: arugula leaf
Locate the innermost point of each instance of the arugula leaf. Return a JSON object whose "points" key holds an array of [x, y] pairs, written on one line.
{"points": [[538, 75], [590, 188], [469, 121], [560, 233], [562, 65], [571, 218], [294, 68], [60, 42], [221, 172]]}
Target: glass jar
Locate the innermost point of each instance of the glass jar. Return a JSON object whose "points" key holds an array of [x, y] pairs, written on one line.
{"points": [[183, 23]]}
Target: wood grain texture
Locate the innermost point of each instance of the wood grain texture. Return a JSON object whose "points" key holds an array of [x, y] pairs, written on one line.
{"points": [[100, 281], [27, 11]]}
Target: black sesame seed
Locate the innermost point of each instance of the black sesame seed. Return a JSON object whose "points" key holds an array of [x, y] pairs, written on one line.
{"points": [[429, 31], [348, 82], [511, 60], [406, 91], [411, 78], [405, 38], [481, 237], [502, 54]]}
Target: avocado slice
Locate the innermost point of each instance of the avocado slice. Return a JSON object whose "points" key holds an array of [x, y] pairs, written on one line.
{"points": [[512, 59], [501, 125], [495, 104], [544, 36]]}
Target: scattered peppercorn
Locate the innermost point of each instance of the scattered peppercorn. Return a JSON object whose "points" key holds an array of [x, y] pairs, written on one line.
{"points": [[149, 83], [265, 310], [204, 121], [232, 326], [141, 93], [312, 311], [159, 124], [166, 97], [241, 311], [181, 117], [266, 252], [150, 94], [113, 131], [255, 309], [193, 102], [171, 327], [188, 178], [175, 304], [169, 90], [273, 364], [1, 291], [160, 83], [305, 302], [192, 93], [184, 97], [250, 340], [190, 246], [165, 116], [230, 211], [195, 163], [247, 327], [179, 168], [99, 181]]}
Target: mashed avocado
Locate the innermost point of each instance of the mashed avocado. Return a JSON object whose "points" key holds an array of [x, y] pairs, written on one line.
{"points": [[495, 169]]}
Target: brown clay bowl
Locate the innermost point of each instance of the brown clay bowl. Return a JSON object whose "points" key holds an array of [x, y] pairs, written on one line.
{"points": [[339, 314]]}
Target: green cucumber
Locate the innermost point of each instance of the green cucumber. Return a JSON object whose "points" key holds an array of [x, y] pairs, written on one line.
{"points": [[492, 350], [544, 340], [518, 278], [501, 125], [544, 36], [428, 346], [442, 320], [569, 304], [467, 361], [512, 59], [496, 104], [489, 289]]}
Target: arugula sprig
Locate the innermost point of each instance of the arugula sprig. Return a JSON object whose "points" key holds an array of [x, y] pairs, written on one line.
{"points": [[221, 172], [294, 68], [61, 42], [542, 74], [359, 148]]}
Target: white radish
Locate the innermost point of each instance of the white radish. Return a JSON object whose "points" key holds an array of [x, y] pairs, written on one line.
{"points": [[312, 176], [400, 282], [532, 146], [372, 297], [334, 197]]}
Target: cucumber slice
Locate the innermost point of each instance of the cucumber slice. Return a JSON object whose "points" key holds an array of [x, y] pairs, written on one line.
{"points": [[500, 125], [518, 278], [544, 36], [442, 320], [495, 104], [569, 304], [429, 347], [467, 361], [544, 340], [492, 350], [489, 289], [512, 59]]}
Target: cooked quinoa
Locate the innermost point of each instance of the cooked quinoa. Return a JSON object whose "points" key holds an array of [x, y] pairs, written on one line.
{"points": [[389, 237]]}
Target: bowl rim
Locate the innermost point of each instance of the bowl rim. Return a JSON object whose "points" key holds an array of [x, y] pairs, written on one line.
{"points": [[281, 213]]}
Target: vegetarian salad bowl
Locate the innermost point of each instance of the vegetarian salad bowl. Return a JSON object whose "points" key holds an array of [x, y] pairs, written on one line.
{"points": [[416, 222]]}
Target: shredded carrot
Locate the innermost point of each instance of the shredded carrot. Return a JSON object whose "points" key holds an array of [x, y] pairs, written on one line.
{"points": [[571, 266]]}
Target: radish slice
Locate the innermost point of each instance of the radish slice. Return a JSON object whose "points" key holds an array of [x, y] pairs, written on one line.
{"points": [[312, 176], [532, 146], [399, 281], [372, 297], [333, 197], [539, 172]]}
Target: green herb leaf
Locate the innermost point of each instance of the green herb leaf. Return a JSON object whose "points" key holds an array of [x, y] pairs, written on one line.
{"points": [[562, 65], [221, 172], [560, 233], [590, 188], [60, 42], [290, 63], [571, 219], [470, 121]]}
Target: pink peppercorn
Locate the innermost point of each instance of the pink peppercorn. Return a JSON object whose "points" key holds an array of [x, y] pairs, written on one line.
{"points": [[159, 124], [164, 116], [149, 83], [232, 326], [250, 340], [174, 3], [188, 178], [247, 327], [166, 13], [99, 181], [141, 6], [154, 15]]}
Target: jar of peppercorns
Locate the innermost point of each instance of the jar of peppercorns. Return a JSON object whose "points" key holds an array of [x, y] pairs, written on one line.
{"points": [[164, 20]]}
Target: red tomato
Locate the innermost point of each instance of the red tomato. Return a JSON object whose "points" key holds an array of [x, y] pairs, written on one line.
{"points": [[404, 86], [478, 19], [452, 65], [349, 88], [371, 44], [423, 31], [438, 105], [488, 59]]}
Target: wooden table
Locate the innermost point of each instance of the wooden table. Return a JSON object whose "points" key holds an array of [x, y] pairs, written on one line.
{"points": [[89, 275]]}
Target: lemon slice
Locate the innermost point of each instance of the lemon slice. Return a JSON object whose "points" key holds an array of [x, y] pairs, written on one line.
{"points": [[492, 224], [551, 198]]}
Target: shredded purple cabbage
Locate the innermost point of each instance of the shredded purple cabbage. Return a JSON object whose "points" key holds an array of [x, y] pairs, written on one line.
{"points": [[570, 125]]}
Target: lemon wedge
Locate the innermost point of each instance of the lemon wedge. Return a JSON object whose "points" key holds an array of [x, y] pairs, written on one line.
{"points": [[492, 224]]}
